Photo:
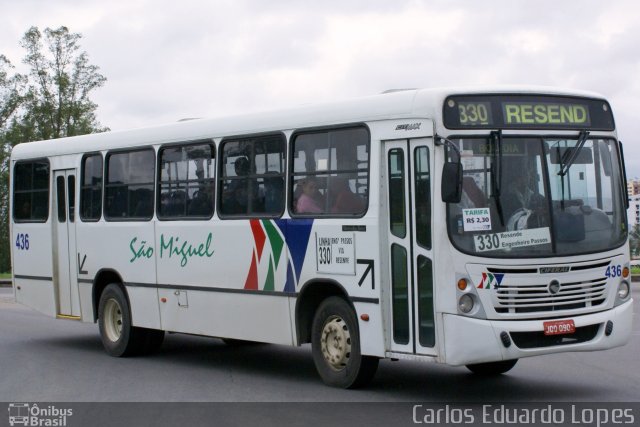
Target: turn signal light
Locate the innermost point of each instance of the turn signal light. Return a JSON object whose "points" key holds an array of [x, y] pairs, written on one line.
{"points": [[163, 299], [462, 284], [625, 272], [364, 317]]}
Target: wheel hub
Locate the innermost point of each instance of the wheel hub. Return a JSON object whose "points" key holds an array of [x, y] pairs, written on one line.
{"points": [[113, 319], [336, 343]]}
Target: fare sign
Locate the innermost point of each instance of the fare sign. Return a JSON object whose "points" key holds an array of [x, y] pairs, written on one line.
{"points": [[476, 219]]}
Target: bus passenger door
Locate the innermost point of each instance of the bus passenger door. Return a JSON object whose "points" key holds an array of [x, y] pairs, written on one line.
{"points": [[408, 194], [65, 277]]}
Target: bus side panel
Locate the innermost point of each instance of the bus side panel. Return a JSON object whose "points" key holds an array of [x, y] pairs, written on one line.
{"points": [[85, 292], [372, 330], [227, 315], [125, 248], [145, 312], [33, 268], [241, 267], [346, 252]]}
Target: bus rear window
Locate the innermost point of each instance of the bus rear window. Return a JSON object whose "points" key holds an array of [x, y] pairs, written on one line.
{"points": [[31, 191]]}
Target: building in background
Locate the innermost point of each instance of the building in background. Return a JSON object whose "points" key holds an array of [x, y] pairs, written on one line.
{"points": [[633, 186], [633, 213], [633, 218]]}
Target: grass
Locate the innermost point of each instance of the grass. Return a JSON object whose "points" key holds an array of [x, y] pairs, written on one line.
{"points": [[635, 269], [5, 275]]}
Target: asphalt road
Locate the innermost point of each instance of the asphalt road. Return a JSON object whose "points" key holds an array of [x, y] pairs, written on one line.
{"points": [[42, 359]]}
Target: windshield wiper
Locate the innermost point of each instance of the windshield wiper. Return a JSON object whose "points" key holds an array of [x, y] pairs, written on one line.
{"points": [[571, 155], [496, 172]]}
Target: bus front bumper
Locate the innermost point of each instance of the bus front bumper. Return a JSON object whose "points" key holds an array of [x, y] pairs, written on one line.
{"points": [[469, 340]]}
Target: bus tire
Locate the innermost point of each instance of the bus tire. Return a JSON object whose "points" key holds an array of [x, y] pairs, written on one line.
{"points": [[492, 368], [335, 343], [119, 337]]}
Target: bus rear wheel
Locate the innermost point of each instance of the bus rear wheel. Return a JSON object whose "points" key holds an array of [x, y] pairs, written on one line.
{"points": [[119, 337], [335, 343], [492, 368]]}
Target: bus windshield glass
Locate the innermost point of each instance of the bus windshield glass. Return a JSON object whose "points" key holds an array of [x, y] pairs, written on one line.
{"points": [[533, 196]]}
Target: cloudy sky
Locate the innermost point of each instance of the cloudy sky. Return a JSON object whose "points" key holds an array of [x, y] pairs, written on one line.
{"points": [[166, 60]]}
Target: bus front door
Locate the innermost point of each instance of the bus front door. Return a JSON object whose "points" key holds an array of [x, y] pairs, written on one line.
{"points": [[65, 277], [408, 194]]}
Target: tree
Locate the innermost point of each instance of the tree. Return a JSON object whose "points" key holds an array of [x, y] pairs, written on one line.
{"points": [[57, 102], [11, 87], [634, 241], [52, 100]]}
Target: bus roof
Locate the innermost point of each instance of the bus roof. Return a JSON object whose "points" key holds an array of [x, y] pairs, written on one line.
{"points": [[423, 103]]}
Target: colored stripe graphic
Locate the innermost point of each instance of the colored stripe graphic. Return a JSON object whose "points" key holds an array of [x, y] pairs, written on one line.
{"points": [[269, 284], [275, 240], [258, 236], [484, 278], [491, 278], [297, 233], [252, 277]]}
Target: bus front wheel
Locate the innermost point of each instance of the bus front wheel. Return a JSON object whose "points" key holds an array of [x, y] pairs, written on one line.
{"points": [[335, 342], [119, 337], [492, 368]]}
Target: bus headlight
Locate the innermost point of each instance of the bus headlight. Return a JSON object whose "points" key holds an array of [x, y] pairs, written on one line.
{"points": [[623, 289], [465, 303]]}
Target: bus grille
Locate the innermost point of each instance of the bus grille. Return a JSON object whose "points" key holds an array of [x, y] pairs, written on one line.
{"points": [[514, 298]]}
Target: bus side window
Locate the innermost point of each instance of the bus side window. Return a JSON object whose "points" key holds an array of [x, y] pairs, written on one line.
{"points": [[422, 187], [330, 174], [91, 188], [129, 185], [31, 191], [251, 177], [186, 182]]}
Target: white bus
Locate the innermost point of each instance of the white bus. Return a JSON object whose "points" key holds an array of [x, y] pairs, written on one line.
{"points": [[464, 226]]}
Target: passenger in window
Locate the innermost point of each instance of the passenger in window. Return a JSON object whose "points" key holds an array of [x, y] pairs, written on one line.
{"points": [[26, 211], [344, 200], [235, 199], [200, 203], [523, 206], [144, 205], [241, 166], [273, 194], [308, 201]]}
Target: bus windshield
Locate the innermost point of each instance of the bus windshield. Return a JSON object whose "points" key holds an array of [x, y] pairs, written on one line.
{"points": [[533, 196]]}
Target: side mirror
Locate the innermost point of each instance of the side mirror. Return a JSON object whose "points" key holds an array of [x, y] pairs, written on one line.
{"points": [[451, 188]]}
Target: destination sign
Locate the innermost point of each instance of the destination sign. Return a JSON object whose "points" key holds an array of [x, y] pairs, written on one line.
{"points": [[526, 112], [519, 113]]}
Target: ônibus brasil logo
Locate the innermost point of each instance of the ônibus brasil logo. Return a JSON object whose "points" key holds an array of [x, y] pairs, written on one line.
{"points": [[26, 414]]}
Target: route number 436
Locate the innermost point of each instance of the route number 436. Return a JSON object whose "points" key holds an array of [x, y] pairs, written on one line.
{"points": [[613, 271], [22, 242]]}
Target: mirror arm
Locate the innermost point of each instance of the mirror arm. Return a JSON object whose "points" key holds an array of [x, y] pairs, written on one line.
{"points": [[442, 141]]}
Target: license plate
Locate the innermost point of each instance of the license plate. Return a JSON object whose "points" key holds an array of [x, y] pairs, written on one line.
{"points": [[559, 327]]}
